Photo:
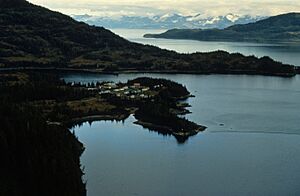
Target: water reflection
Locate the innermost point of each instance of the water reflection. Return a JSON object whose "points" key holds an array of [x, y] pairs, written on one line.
{"points": [[180, 139], [124, 159], [248, 146]]}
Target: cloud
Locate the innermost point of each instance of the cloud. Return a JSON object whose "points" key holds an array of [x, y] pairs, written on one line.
{"points": [[114, 8]]}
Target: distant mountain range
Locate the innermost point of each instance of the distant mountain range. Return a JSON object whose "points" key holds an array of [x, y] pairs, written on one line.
{"points": [[167, 21], [281, 28]]}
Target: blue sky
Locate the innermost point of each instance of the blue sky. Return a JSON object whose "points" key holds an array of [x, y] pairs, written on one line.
{"points": [[115, 8]]}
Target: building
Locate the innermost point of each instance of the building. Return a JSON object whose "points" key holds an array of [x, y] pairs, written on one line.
{"points": [[136, 84]]}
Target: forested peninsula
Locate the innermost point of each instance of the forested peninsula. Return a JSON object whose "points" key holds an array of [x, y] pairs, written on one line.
{"points": [[37, 110]]}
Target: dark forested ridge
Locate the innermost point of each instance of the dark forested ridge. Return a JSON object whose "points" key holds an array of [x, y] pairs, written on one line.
{"points": [[281, 28], [13, 3], [37, 158], [33, 36]]}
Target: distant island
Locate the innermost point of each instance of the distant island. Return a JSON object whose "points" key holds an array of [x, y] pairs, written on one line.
{"points": [[281, 28], [33, 37]]}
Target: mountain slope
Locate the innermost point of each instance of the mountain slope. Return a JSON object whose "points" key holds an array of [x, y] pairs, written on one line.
{"points": [[167, 21], [13, 3], [34, 36], [284, 27]]}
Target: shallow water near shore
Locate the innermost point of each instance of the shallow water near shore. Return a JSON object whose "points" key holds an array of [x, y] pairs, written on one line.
{"points": [[251, 145]]}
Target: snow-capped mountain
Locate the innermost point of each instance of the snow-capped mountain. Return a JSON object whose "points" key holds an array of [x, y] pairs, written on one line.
{"points": [[168, 21]]}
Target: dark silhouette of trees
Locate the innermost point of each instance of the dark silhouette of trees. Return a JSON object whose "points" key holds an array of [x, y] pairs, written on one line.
{"points": [[37, 158]]}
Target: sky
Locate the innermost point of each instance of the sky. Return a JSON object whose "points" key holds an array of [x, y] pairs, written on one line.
{"points": [[116, 8]]}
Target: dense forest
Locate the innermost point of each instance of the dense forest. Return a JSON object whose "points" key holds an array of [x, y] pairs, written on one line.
{"points": [[37, 158], [33, 36], [281, 28], [173, 89], [157, 117]]}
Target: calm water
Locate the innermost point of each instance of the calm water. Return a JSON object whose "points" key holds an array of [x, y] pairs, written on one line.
{"points": [[286, 53], [256, 152]]}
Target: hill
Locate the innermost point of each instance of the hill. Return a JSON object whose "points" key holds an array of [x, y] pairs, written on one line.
{"points": [[13, 3], [281, 28], [33, 36]]}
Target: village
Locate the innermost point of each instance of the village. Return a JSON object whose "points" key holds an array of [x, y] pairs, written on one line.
{"points": [[127, 91]]}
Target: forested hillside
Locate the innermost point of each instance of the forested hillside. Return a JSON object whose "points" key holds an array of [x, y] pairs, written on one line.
{"points": [[33, 36], [37, 158]]}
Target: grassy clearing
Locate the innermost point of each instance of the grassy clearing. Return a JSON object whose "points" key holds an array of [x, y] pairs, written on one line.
{"points": [[89, 104]]}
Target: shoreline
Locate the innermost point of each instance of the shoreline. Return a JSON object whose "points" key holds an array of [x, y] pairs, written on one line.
{"points": [[168, 130], [136, 71], [93, 118], [245, 40], [121, 117]]}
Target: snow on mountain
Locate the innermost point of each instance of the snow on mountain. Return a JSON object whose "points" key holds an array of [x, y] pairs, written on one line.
{"points": [[194, 18], [164, 17], [211, 21], [168, 21], [232, 17]]}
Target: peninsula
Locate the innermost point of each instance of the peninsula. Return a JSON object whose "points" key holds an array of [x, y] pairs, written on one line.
{"points": [[37, 109]]}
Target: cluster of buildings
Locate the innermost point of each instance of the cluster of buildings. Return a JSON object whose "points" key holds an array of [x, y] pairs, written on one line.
{"points": [[126, 91]]}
